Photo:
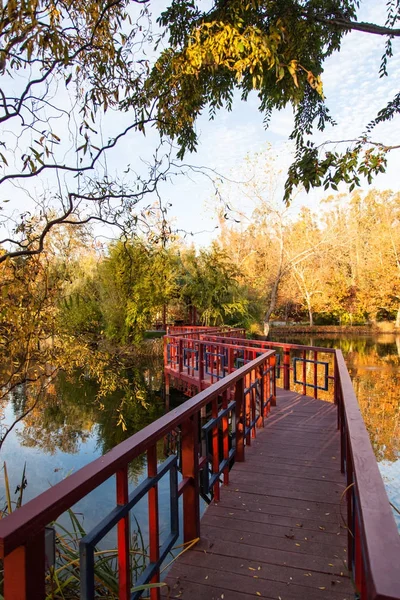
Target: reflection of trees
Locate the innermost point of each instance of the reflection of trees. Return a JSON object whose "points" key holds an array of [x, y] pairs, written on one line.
{"points": [[374, 366], [376, 381], [69, 412], [62, 420]]}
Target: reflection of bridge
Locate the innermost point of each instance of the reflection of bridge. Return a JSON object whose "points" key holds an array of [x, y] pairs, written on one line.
{"points": [[303, 506]]}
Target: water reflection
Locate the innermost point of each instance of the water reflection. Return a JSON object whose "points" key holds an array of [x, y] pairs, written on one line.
{"points": [[70, 414], [374, 366]]}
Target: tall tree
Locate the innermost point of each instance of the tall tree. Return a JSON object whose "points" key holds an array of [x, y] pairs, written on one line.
{"points": [[69, 68], [277, 48]]}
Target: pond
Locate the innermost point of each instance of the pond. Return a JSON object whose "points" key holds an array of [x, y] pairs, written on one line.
{"points": [[70, 428]]}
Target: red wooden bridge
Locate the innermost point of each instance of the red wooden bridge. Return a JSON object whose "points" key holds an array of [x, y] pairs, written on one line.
{"points": [[273, 438]]}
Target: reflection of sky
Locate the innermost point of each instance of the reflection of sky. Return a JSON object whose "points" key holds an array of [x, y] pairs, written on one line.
{"points": [[390, 472], [45, 470]]}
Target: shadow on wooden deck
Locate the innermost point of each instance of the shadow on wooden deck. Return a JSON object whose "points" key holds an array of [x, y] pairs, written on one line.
{"points": [[279, 530]]}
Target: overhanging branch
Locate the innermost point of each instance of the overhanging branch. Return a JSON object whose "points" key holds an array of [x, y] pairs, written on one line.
{"points": [[359, 26]]}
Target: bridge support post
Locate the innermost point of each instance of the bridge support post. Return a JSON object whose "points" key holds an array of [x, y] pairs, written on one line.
{"points": [[273, 382], [240, 420], [286, 369], [190, 470], [24, 571]]}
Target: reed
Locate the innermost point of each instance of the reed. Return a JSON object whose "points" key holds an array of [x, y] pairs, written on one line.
{"points": [[63, 579]]}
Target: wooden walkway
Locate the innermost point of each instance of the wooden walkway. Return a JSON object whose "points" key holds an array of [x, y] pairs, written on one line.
{"points": [[278, 531]]}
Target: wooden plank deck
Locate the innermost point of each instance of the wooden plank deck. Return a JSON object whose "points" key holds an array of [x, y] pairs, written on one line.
{"points": [[278, 531]]}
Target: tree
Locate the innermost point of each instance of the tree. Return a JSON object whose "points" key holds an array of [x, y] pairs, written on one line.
{"points": [[306, 236], [277, 48], [209, 282], [275, 244], [69, 68], [135, 281]]}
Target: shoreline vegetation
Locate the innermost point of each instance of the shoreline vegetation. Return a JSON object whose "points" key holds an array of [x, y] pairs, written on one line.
{"points": [[372, 328]]}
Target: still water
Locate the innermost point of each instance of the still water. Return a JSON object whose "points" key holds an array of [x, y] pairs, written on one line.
{"points": [[70, 428]]}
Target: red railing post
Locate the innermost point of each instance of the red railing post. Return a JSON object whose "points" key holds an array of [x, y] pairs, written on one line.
{"points": [[272, 362], [315, 375], [215, 447], [359, 575], [336, 390], [247, 407], [264, 394], [190, 470], [24, 571], [253, 402], [165, 352], [124, 570], [154, 533], [230, 360], [286, 369], [239, 419], [225, 436], [350, 502], [180, 356], [201, 365]]}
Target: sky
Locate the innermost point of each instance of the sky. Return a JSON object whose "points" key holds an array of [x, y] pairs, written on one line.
{"points": [[354, 94]]}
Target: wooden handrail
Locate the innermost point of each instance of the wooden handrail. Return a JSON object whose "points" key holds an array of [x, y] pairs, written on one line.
{"points": [[267, 343], [374, 544]]}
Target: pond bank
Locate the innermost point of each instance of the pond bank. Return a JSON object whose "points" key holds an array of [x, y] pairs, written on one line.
{"points": [[327, 329]]}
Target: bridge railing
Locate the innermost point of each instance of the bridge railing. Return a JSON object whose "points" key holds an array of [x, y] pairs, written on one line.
{"points": [[207, 357], [196, 330], [233, 408], [200, 361], [373, 539]]}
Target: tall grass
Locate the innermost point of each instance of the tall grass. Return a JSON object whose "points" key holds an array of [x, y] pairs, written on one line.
{"points": [[63, 579]]}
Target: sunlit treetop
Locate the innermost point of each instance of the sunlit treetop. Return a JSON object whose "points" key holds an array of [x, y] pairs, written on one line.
{"points": [[278, 49]]}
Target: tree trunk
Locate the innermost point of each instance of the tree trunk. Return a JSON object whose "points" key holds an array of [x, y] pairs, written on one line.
{"points": [[310, 313], [397, 323], [272, 303]]}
